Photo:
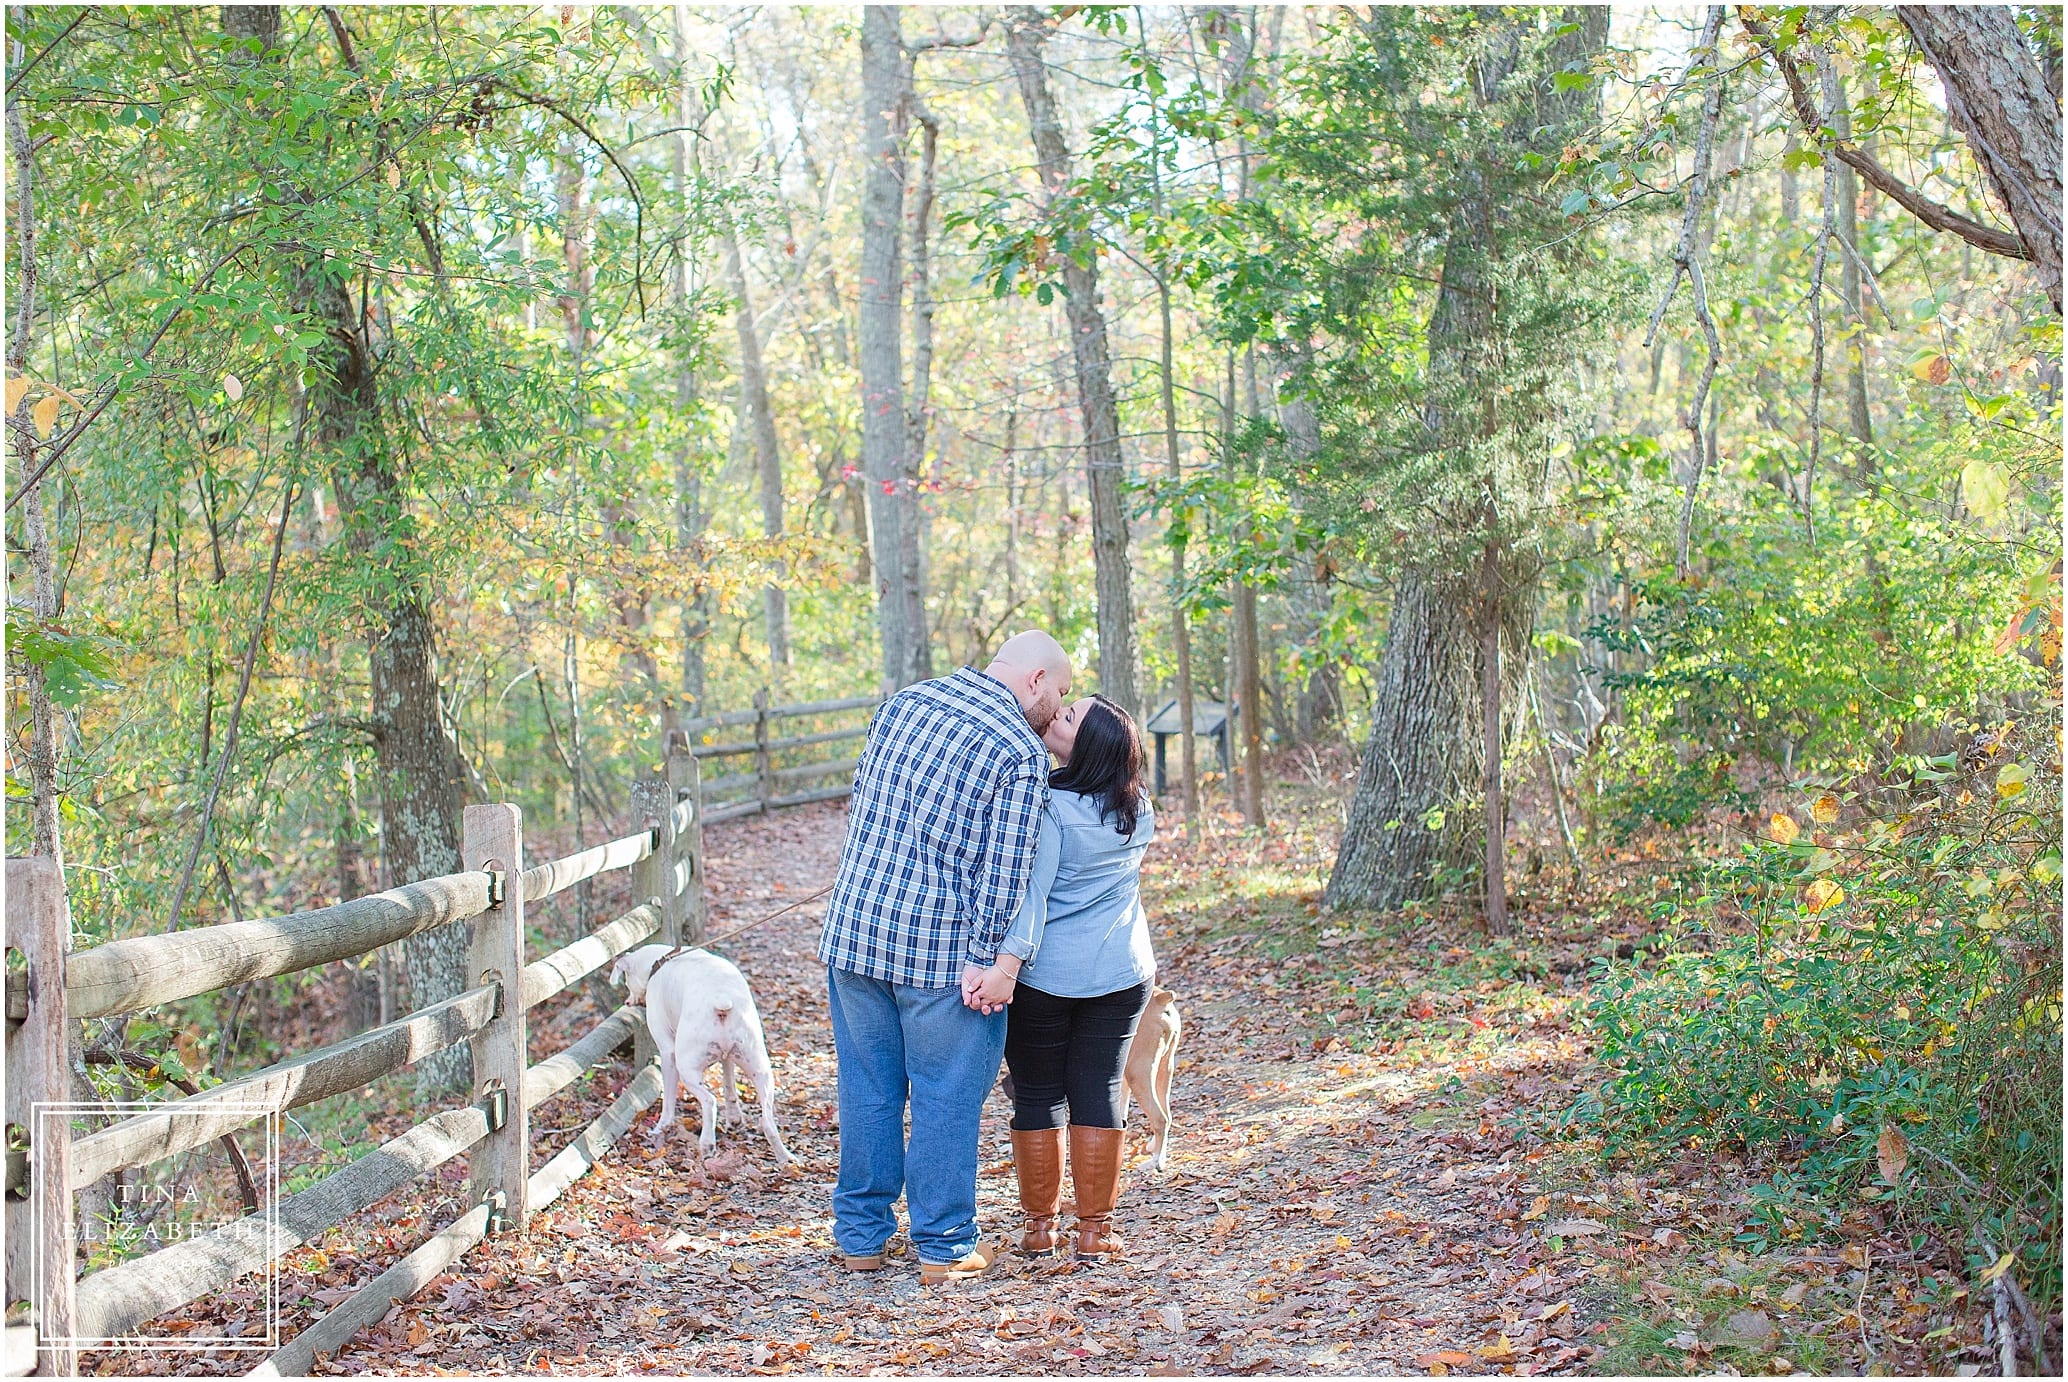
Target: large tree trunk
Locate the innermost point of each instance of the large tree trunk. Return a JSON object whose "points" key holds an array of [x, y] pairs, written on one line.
{"points": [[1997, 94], [893, 506], [1439, 713], [1026, 38], [417, 766]]}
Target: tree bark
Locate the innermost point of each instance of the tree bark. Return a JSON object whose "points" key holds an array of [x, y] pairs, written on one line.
{"points": [[43, 714], [1998, 95], [893, 517], [919, 401], [417, 768], [1026, 36], [768, 456], [1435, 724], [690, 517], [1318, 699], [1180, 623], [1246, 673], [1490, 704]]}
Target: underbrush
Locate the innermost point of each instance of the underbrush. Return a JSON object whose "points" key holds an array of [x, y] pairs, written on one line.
{"points": [[1867, 1007]]}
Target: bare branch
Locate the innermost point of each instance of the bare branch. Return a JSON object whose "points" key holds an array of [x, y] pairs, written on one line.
{"points": [[1687, 263]]}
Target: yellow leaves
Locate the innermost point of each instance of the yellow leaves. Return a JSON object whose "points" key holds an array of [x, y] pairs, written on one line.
{"points": [[1783, 829], [1501, 1350], [43, 416], [2002, 1265], [1538, 1208], [1932, 369], [1824, 809], [1891, 1152], [393, 175], [1821, 896], [2010, 780], [1986, 487]]}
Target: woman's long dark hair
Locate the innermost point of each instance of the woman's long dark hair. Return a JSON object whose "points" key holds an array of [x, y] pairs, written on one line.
{"points": [[1107, 762]]}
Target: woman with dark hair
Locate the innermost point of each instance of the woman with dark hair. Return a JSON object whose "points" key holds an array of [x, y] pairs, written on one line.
{"points": [[1077, 970]]}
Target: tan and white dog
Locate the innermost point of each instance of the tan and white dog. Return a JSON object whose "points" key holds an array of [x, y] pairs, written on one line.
{"points": [[701, 1012], [1152, 1058]]}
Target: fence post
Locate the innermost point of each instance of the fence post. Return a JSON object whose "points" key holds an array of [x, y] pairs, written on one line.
{"points": [[653, 878], [686, 869], [763, 768], [492, 838], [40, 1240]]}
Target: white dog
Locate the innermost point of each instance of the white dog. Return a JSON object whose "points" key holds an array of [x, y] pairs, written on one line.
{"points": [[700, 1011]]}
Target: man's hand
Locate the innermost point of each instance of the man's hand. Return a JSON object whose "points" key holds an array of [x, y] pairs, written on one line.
{"points": [[986, 990], [995, 989]]}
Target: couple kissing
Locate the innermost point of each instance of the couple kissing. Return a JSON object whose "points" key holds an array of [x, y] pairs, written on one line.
{"points": [[987, 907]]}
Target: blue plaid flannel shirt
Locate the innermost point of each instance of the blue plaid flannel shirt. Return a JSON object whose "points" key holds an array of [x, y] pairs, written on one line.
{"points": [[941, 833]]}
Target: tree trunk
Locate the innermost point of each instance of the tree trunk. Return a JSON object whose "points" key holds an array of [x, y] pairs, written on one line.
{"points": [[1859, 421], [893, 520], [768, 456], [1026, 38], [1246, 680], [1318, 700], [1490, 709], [1997, 94], [1180, 624], [417, 767], [43, 715], [1423, 756], [1435, 724], [920, 400], [690, 517]]}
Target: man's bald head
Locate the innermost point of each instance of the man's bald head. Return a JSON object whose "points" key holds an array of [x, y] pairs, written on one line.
{"points": [[1037, 671]]}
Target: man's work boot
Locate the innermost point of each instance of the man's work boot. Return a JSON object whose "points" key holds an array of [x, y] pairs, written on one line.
{"points": [[1095, 1157], [1038, 1158], [975, 1262]]}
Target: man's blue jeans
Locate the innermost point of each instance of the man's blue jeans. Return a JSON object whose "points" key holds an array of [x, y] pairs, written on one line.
{"points": [[893, 1040]]}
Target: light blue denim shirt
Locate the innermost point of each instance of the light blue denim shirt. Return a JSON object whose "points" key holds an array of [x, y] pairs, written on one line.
{"points": [[1081, 930]]}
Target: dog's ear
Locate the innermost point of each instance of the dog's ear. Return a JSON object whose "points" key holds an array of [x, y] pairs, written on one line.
{"points": [[617, 973]]}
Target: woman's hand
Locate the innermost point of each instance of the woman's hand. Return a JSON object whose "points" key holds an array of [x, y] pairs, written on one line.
{"points": [[991, 989]]}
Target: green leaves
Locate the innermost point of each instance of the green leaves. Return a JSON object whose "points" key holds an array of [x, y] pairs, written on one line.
{"points": [[74, 665]]}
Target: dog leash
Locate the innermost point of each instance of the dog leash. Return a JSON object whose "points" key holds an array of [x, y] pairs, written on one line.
{"points": [[738, 930]]}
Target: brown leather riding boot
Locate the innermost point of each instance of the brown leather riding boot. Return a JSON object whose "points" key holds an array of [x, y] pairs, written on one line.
{"points": [[1095, 1157], [1038, 1158]]}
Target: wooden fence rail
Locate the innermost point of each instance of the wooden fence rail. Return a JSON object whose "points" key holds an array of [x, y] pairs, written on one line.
{"points": [[764, 785], [49, 988]]}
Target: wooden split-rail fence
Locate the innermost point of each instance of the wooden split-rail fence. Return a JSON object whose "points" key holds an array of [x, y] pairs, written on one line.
{"points": [[53, 1312]]}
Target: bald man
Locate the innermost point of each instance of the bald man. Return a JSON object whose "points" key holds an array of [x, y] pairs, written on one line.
{"points": [[940, 845]]}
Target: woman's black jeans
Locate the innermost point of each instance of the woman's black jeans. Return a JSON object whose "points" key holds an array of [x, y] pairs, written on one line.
{"points": [[1066, 1056]]}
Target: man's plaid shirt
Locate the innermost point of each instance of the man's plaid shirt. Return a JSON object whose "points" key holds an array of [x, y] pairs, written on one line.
{"points": [[941, 833]]}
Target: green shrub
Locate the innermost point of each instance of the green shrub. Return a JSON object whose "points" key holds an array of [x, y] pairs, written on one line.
{"points": [[1881, 999]]}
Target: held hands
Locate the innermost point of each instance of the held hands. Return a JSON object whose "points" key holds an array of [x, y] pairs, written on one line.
{"points": [[989, 990]]}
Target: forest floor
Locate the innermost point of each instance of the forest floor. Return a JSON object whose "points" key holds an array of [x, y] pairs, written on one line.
{"points": [[1359, 1182]]}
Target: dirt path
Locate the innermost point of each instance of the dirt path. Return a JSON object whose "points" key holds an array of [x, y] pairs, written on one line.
{"points": [[1326, 1210]]}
